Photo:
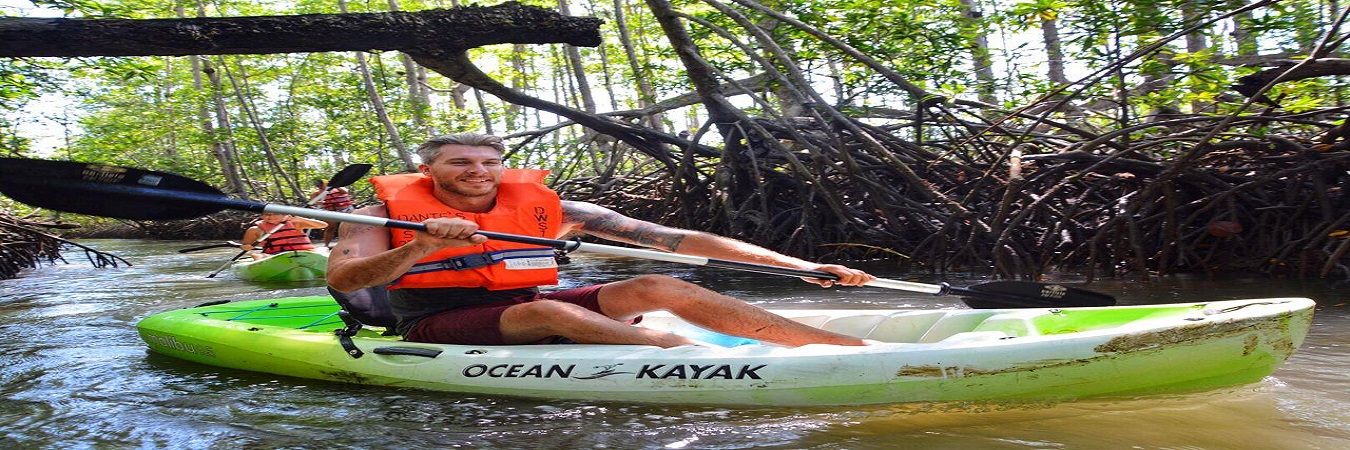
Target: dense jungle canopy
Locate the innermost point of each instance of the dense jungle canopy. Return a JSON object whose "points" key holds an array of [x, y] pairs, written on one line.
{"points": [[1004, 137]]}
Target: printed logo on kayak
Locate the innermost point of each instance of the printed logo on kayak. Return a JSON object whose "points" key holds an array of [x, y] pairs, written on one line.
{"points": [[172, 343], [647, 371]]}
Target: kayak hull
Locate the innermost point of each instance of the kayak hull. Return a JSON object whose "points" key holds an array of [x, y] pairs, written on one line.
{"points": [[928, 355], [298, 265]]}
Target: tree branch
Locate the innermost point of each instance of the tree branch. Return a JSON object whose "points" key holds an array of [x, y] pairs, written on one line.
{"points": [[458, 28]]}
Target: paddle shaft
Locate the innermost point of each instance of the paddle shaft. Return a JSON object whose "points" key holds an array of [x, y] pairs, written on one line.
{"points": [[318, 197], [322, 195]]}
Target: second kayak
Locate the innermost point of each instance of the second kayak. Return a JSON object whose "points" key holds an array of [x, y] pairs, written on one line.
{"points": [[296, 265]]}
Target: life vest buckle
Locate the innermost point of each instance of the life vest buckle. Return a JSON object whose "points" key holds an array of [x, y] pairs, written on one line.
{"points": [[470, 261], [462, 262]]}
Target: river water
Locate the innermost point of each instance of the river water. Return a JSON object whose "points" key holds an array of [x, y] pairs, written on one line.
{"points": [[75, 375]]}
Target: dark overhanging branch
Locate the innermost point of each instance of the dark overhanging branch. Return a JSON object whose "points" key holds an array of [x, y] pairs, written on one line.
{"points": [[1291, 70], [458, 28]]}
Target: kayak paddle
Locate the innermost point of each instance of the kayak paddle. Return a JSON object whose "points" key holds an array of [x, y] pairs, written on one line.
{"points": [[123, 192], [210, 246], [345, 177]]}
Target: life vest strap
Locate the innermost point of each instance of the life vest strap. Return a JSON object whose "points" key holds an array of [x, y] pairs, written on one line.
{"points": [[476, 260]]}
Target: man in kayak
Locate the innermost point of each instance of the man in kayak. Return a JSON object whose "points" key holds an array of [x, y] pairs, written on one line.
{"points": [[449, 285], [279, 233]]}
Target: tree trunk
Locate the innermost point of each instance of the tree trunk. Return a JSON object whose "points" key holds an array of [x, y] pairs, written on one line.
{"points": [[578, 68], [415, 76], [1193, 12], [514, 112], [646, 93], [377, 103], [225, 137], [1054, 52], [280, 176], [980, 59], [219, 147]]}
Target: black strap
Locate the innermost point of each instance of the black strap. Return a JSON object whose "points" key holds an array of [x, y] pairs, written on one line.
{"points": [[345, 334]]}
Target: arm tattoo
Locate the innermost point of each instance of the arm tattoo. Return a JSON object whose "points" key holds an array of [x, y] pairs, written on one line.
{"points": [[603, 222], [348, 230]]}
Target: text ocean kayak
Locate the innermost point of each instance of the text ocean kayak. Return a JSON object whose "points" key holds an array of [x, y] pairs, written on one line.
{"points": [[928, 355], [296, 265]]}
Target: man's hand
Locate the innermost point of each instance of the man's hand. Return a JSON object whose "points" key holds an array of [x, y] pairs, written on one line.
{"points": [[443, 232], [847, 276]]}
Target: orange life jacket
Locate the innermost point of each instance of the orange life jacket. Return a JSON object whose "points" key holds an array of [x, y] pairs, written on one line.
{"points": [[284, 239], [524, 206]]}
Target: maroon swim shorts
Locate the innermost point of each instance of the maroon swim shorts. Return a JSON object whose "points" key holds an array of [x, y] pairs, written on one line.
{"points": [[481, 324]]}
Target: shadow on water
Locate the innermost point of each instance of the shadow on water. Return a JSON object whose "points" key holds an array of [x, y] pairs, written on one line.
{"points": [[75, 374]]}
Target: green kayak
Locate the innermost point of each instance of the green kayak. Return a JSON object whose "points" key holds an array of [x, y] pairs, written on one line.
{"points": [[1045, 354], [298, 265]]}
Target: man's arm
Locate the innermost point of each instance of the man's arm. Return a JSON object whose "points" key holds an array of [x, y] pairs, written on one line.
{"points": [[251, 236], [363, 257], [603, 222]]}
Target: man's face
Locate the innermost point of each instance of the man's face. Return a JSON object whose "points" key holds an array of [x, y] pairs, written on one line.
{"points": [[273, 218], [469, 171]]}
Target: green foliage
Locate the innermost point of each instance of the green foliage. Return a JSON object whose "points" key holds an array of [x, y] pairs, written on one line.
{"points": [[21, 82], [312, 112]]}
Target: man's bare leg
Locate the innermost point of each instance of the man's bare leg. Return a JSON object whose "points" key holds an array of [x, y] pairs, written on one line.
{"points": [[630, 298], [531, 322]]}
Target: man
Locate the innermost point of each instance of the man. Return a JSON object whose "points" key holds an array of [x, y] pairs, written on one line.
{"points": [[279, 233], [336, 199], [492, 299]]}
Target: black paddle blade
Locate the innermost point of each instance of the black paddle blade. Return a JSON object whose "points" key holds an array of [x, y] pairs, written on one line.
{"points": [[348, 175], [1028, 294], [108, 191]]}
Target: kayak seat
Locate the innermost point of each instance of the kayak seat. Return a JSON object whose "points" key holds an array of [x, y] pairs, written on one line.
{"points": [[812, 321], [951, 324], [1021, 323], [370, 306], [905, 327], [975, 336], [857, 326]]}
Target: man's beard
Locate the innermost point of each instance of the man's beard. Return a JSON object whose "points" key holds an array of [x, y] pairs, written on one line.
{"points": [[453, 189]]}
